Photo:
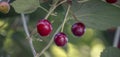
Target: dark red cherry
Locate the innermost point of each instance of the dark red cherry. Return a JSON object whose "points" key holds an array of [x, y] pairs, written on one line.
{"points": [[60, 39], [78, 29], [44, 27], [111, 1]]}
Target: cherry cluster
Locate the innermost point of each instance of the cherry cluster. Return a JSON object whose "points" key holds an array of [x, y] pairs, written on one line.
{"points": [[44, 28]]}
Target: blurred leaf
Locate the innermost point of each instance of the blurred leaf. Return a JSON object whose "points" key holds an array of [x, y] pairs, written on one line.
{"points": [[9, 45], [25, 6], [73, 51], [19, 38], [2, 38], [97, 14], [111, 52]]}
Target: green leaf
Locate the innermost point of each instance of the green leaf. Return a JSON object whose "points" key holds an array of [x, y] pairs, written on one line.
{"points": [[97, 14], [25, 6], [111, 52]]}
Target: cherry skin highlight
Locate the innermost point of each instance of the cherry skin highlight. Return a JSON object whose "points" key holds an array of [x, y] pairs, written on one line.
{"points": [[60, 39], [78, 29], [111, 1], [44, 27]]}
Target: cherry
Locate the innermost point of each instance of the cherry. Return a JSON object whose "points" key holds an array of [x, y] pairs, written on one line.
{"points": [[4, 7], [44, 27], [111, 1], [60, 39], [78, 29]]}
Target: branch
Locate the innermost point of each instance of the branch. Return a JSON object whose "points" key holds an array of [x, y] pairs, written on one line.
{"points": [[117, 37], [27, 33], [65, 19]]}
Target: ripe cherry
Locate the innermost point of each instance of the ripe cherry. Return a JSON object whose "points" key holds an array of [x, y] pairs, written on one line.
{"points": [[60, 39], [111, 1], [44, 27], [4, 7], [78, 29]]}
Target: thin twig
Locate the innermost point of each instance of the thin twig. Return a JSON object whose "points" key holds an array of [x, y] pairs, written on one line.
{"points": [[117, 37], [49, 42], [27, 33], [65, 19]]}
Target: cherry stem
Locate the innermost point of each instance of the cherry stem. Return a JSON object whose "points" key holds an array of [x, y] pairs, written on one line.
{"points": [[65, 19], [49, 42], [27, 33], [116, 37]]}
